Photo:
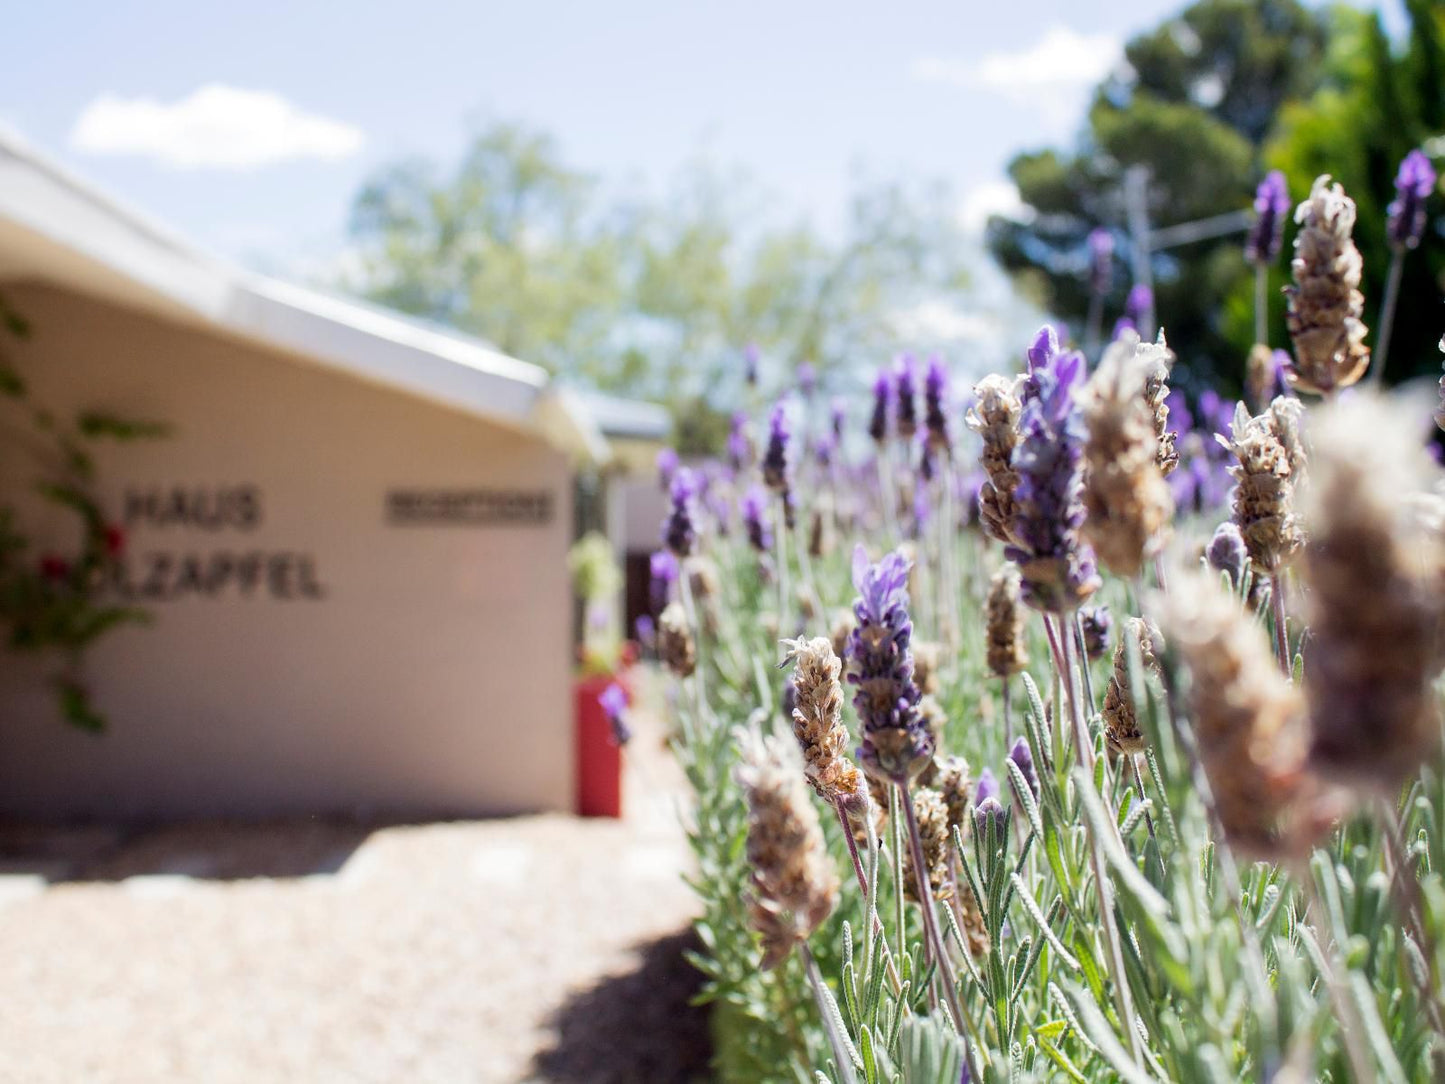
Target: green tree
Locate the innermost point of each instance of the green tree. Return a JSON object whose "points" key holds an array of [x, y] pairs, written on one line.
{"points": [[1378, 100], [656, 297], [1193, 106]]}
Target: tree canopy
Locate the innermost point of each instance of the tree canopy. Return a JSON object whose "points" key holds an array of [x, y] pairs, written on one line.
{"points": [[655, 297], [1193, 105]]}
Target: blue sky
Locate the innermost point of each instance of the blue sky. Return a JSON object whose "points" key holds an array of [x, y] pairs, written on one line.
{"points": [[249, 127]]}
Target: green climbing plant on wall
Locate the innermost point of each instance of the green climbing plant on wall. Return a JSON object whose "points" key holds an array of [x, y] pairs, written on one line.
{"points": [[55, 602]]}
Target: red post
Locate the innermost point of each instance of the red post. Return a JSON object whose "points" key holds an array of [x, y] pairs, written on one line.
{"points": [[599, 758]]}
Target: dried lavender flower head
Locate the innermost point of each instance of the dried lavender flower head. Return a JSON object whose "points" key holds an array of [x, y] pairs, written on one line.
{"points": [[1121, 717], [1251, 723], [1440, 410], [1055, 563], [792, 884], [1007, 646], [1405, 217], [896, 742], [1098, 624], [775, 459], [1269, 461], [679, 531], [1372, 573], [1128, 503], [817, 715], [994, 416], [675, 645], [1325, 303], [1271, 206]]}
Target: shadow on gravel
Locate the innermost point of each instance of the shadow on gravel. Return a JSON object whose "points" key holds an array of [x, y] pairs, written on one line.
{"points": [[639, 1026], [209, 850]]}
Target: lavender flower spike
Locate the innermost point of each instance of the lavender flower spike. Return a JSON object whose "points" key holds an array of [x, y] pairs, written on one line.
{"points": [[613, 702], [1271, 207], [1023, 758], [754, 506], [1101, 260], [750, 364], [667, 463], [935, 411], [679, 530], [1056, 564], [906, 407], [882, 404], [807, 379], [1405, 221], [986, 787], [896, 740], [1139, 301], [775, 459]]}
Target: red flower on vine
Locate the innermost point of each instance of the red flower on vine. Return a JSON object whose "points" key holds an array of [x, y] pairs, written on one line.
{"points": [[54, 567]]}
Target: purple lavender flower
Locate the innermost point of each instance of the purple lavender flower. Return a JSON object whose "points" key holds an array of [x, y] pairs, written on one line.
{"points": [[1057, 565], [664, 568], [922, 506], [807, 380], [824, 445], [935, 398], [838, 417], [667, 463], [775, 459], [646, 629], [613, 700], [1101, 260], [990, 810], [986, 804], [739, 447], [1138, 304], [1098, 622], [986, 787], [1226, 552], [750, 364], [1271, 208], [754, 508], [1405, 217], [1180, 416], [882, 407], [1023, 758], [896, 740], [905, 386], [1123, 326], [1041, 354], [679, 529]]}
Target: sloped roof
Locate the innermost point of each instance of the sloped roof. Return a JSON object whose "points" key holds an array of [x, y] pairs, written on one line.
{"points": [[55, 227]]}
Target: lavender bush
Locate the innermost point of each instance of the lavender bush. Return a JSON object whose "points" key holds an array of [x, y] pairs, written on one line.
{"points": [[1204, 849]]}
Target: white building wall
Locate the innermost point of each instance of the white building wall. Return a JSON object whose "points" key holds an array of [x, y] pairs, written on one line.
{"points": [[373, 667]]}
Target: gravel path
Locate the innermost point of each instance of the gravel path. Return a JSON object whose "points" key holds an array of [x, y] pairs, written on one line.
{"points": [[539, 948]]}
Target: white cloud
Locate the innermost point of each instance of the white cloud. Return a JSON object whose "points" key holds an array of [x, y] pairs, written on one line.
{"points": [[990, 198], [216, 126], [1049, 75]]}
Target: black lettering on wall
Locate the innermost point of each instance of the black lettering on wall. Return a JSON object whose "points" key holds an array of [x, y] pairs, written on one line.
{"points": [[469, 507]]}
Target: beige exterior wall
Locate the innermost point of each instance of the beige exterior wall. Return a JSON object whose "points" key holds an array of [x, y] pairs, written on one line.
{"points": [[431, 676]]}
